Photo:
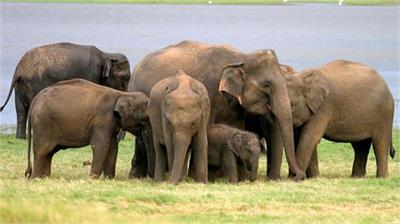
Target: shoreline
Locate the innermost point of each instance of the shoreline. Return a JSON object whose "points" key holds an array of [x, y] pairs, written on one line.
{"points": [[8, 129], [216, 2]]}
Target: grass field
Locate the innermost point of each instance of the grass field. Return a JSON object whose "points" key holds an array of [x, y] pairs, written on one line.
{"points": [[69, 196], [349, 2]]}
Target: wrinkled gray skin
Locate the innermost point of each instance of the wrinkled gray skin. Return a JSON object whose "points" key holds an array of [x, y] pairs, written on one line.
{"points": [[343, 101], [46, 65], [76, 113], [230, 76], [179, 110], [234, 152]]}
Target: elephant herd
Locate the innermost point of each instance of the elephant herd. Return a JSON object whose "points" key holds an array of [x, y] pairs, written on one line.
{"points": [[198, 109]]}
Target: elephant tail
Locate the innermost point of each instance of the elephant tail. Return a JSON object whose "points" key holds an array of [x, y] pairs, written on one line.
{"points": [[28, 171], [392, 151], [9, 94]]}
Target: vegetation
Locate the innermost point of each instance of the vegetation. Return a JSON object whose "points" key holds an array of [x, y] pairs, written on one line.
{"points": [[259, 2], [69, 196]]}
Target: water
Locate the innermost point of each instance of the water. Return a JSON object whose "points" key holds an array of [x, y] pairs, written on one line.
{"points": [[302, 35]]}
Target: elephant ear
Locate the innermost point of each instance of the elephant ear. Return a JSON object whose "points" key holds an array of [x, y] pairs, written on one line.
{"points": [[108, 66], [316, 89], [232, 80], [235, 143], [122, 110]]}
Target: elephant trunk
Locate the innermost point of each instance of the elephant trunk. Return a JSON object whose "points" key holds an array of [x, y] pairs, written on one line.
{"points": [[181, 144], [282, 111]]}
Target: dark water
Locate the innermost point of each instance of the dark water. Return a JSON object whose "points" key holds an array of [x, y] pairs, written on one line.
{"points": [[302, 35]]}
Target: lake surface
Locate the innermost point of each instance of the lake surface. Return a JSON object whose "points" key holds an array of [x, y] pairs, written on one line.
{"points": [[302, 35]]}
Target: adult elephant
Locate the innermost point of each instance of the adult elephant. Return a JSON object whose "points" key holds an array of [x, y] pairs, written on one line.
{"points": [[43, 66], [343, 101], [263, 126], [254, 80]]}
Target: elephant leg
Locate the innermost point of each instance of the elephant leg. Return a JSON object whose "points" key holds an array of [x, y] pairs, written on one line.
{"points": [[381, 149], [109, 168], [212, 173], [147, 136], [296, 136], [230, 167], [382, 141], [161, 160], [139, 160], [42, 159], [100, 147], [169, 145], [243, 173], [361, 151], [310, 136], [22, 114], [313, 168], [274, 152], [200, 145]]}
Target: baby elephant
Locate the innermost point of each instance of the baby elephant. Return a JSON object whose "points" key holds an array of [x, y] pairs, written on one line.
{"points": [[179, 110], [234, 152], [76, 113]]}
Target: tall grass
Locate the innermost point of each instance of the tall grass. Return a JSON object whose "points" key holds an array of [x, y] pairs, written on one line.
{"points": [[69, 196]]}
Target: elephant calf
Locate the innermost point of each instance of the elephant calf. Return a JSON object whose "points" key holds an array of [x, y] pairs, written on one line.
{"points": [[179, 110], [76, 113], [234, 152]]}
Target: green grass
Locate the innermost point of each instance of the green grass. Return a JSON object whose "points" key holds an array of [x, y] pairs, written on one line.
{"points": [[69, 196], [250, 2]]}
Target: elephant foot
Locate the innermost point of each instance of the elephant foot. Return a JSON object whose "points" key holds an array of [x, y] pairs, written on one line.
{"points": [[173, 181], [94, 176], [20, 136], [299, 176], [273, 177], [357, 175], [136, 173]]}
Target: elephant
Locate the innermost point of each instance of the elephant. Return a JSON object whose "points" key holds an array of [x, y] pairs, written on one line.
{"points": [[234, 152], [179, 110], [42, 66], [75, 113], [235, 81], [342, 101]]}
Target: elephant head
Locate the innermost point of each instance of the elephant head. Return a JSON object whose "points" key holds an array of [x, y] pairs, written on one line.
{"points": [[131, 111], [116, 71], [247, 147], [307, 92], [260, 88]]}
